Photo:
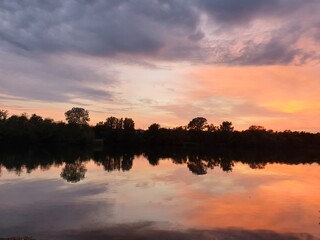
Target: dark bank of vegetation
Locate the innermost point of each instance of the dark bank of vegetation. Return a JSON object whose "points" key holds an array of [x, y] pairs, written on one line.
{"points": [[35, 130]]}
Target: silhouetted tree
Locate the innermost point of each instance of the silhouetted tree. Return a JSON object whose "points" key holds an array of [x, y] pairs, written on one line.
{"points": [[111, 123], [128, 124], [3, 115], [119, 123], [226, 126], [35, 120], [197, 124], [77, 116], [154, 127], [256, 128], [48, 121], [211, 128]]}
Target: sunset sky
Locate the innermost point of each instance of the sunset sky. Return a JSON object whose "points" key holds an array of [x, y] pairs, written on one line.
{"points": [[245, 61]]}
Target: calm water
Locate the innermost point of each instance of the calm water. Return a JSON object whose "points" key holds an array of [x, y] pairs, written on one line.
{"points": [[129, 198]]}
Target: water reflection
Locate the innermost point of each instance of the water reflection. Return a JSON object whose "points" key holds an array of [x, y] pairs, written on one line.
{"points": [[157, 194], [73, 172], [199, 162], [146, 230], [114, 162]]}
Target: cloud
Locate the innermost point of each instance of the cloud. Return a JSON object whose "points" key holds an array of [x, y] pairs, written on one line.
{"points": [[55, 79], [96, 27], [183, 111], [235, 13], [270, 52], [162, 30]]}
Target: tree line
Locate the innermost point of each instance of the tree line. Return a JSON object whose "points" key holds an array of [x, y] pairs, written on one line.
{"points": [[31, 130]]}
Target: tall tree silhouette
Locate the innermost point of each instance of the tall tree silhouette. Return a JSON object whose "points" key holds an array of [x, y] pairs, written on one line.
{"points": [[3, 115], [77, 116], [128, 124], [154, 127], [111, 123], [197, 124], [226, 126]]}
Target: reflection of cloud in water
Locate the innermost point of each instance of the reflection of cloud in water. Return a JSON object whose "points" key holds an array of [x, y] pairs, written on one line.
{"points": [[148, 230], [144, 184], [48, 205]]}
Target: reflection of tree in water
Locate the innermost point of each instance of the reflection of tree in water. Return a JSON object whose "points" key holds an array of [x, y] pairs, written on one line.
{"points": [[118, 162], [127, 162], [199, 165], [153, 160], [198, 161], [179, 158], [153, 156], [226, 164], [73, 172], [197, 168], [111, 163], [257, 165]]}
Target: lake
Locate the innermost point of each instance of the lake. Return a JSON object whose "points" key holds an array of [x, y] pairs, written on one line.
{"points": [[158, 196]]}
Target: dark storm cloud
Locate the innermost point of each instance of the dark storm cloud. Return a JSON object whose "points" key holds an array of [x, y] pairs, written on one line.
{"points": [[95, 27], [166, 30], [235, 13], [229, 11]]}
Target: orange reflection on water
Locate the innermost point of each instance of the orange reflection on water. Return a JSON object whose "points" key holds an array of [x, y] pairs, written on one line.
{"points": [[285, 199], [281, 198]]}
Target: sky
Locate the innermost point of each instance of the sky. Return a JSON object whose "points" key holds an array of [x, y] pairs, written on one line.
{"points": [[251, 62]]}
